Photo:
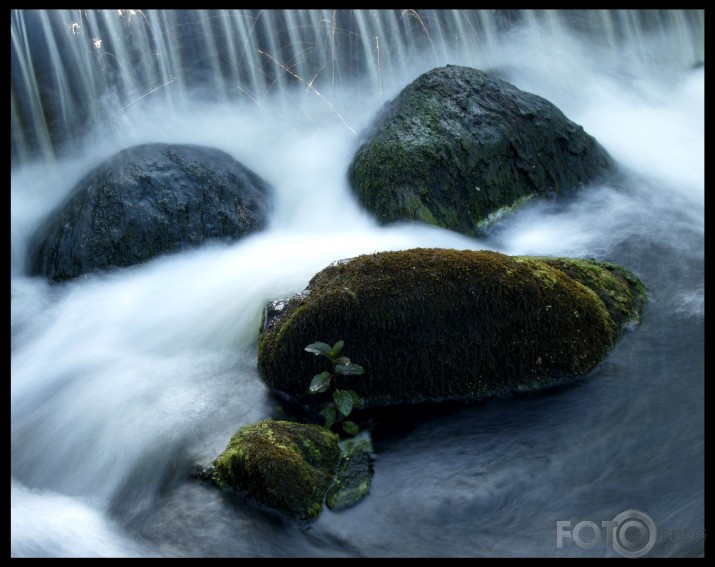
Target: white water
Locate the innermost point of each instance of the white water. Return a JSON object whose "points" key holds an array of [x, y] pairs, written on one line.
{"points": [[121, 382]]}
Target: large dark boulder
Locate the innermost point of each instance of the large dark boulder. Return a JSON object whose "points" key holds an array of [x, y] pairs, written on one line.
{"points": [[457, 147], [440, 324], [145, 201]]}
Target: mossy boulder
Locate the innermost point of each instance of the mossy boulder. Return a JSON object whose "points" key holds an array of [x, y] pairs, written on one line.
{"points": [[442, 324], [284, 465], [458, 146], [145, 201]]}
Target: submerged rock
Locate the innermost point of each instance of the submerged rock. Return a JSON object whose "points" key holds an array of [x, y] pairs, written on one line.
{"points": [[287, 466], [441, 324], [354, 475], [145, 201], [457, 147]]}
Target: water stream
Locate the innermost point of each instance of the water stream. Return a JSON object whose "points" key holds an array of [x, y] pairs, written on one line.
{"points": [[122, 382]]}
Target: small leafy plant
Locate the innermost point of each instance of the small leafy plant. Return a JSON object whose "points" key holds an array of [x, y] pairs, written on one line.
{"points": [[343, 400]]}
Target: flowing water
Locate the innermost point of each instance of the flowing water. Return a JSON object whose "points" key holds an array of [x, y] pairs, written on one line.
{"points": [[122, 382]]}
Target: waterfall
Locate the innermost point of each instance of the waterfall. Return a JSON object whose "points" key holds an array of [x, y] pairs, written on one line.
{"points": [[73, 70]]}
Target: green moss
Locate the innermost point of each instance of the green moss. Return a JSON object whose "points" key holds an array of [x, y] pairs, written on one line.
{"points": [[415, 208], [457, 148], [495, 216], [285, 465], [436, 324], [622, 293], [354, 475]]}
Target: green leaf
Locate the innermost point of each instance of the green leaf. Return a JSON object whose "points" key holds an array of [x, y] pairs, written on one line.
{"points": [[343, 401], [349, 369], [357, 402], [335, 351], [319, 348], [350, 427], [320, 382], [329, 414], [342, 360]]}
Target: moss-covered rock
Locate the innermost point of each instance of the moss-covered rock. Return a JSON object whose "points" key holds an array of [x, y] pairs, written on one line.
{"points": [[285, 465], [442, 324], [354, 475], [458, 147]]}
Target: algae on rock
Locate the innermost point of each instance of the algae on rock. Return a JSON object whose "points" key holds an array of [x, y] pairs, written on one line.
{"points": [[442, 324], [457, 147], [285, 465], [354, 475]]}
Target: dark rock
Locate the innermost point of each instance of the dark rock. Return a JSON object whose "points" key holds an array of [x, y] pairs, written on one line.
{"points": [[145, 201], [354, 475], [438, 324], [457, 147]]}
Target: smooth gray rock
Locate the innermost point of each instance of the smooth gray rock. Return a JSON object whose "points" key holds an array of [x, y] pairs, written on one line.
{"points": [[145, 201]]}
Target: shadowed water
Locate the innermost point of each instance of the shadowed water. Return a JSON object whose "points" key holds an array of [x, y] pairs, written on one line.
{"points": [[122, 382]]}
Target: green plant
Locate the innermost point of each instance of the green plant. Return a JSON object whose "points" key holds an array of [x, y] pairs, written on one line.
{"points": [[343, 400]]}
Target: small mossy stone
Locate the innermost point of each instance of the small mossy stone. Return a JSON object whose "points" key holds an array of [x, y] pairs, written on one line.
{"points": [[355, 471], [285, 465]]}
